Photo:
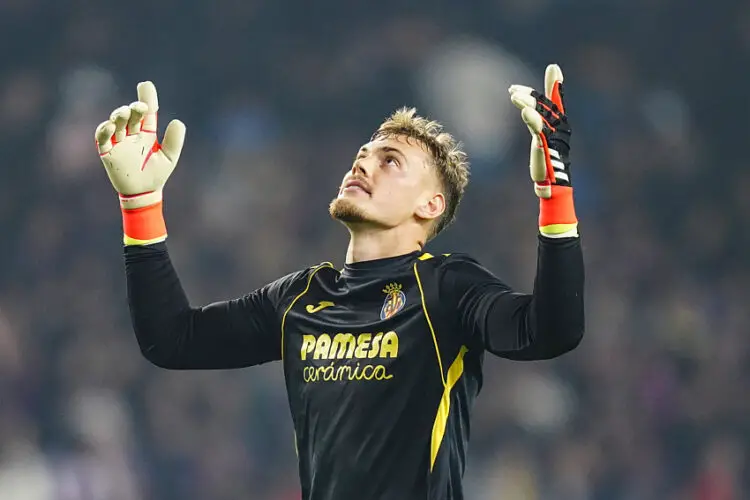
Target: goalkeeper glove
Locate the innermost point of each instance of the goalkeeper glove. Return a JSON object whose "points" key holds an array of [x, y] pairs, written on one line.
{"points": [[549, 165], [138, 166]]}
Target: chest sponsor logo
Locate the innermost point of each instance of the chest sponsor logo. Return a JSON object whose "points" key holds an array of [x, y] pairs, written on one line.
{"points": [[369, 350]]}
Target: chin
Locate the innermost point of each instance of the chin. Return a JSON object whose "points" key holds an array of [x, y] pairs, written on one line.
{"points": [[346, 210]]}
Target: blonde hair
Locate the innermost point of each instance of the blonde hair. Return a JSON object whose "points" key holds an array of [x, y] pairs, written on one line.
{"points": [[450, 161]]}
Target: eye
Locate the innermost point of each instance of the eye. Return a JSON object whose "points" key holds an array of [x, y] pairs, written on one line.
{"points": [[392, 160]]}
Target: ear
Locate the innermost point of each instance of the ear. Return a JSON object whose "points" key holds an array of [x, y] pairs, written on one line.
{"points": [[432, 208]]}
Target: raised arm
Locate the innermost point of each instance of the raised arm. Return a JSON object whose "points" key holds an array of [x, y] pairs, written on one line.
{"points": [[550, 321], [170, 332]]}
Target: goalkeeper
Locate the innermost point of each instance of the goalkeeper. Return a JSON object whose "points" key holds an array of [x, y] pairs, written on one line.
{"points": [[382, 358]]}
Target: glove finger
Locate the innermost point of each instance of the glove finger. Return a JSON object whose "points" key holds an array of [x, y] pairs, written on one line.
{"points": [[520, 90], [533, 120], [137, 111], [147, 94], [522, 100], [120, 118], [553, 80], [174, 139], [537, 160], [103, 136]]}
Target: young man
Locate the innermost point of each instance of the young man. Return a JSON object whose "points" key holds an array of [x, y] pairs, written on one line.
{"points": [[383, 359]]}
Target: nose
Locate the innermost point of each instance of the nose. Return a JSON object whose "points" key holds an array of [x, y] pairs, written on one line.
{"points": [[359, 168]]}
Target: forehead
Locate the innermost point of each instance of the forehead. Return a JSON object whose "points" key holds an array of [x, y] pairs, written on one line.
{"points": [[411, 149]]}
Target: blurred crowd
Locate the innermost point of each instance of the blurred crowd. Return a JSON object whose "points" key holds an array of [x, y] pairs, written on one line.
{"points": [[277, 98]]}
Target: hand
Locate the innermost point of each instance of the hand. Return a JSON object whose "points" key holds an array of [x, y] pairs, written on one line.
{"points": [[549, 163], [545, 118], [137, 165]]}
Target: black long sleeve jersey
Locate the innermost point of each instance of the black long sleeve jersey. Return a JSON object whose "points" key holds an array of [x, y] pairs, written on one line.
{"points": [[382, 359]]}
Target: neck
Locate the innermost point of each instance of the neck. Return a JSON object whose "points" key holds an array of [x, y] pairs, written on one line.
{"points": [[372, 244]]}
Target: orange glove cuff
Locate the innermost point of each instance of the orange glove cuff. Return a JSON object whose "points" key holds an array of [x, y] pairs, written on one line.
{"points": [[557, 214], [145, 225]]}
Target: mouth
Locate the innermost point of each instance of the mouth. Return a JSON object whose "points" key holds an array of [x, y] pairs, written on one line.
{"points": [[355, 186]]}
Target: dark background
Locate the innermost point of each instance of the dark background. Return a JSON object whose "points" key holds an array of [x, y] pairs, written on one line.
{"points": [[277, 98]]}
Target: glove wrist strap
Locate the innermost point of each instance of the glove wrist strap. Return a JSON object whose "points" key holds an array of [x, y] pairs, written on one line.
{"points": [[557, 215], [129, 202], [144, 225]]}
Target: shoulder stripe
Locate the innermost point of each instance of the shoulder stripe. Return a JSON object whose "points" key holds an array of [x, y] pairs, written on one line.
{"points": [[299, 296]]}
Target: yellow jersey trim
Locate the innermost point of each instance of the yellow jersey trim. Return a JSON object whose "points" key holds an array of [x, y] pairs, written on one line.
{"points": [[425, 256], [429, 323], [299, 296], [449, 381], [441, 419]]}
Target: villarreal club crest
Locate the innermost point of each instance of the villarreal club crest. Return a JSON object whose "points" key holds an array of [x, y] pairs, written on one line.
{"points": [[395, 300]]}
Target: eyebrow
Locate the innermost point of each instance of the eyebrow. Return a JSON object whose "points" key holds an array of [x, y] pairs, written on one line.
{"points": [[390, 149], [386, 149]]}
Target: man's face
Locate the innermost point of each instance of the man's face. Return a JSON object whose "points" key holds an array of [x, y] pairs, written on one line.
{"points": [[391, 182]]}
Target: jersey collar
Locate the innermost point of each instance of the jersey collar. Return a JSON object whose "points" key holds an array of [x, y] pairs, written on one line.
{"points": [[380, 266]]}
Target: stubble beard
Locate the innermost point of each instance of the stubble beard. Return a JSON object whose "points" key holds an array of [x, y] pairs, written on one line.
{"points": [[346, 211]]}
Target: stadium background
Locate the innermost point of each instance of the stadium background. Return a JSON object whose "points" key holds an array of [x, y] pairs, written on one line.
{"points": [[277, 96]]}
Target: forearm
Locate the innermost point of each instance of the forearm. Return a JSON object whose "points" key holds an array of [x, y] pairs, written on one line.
{"points": [[159, 309], [552, 322], [172, 334]]}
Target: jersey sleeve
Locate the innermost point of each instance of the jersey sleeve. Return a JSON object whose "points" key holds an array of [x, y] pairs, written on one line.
{"points": [[542, 325], [172, 334]]}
